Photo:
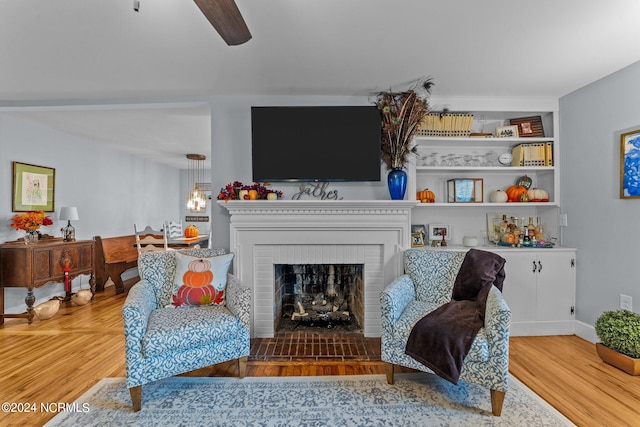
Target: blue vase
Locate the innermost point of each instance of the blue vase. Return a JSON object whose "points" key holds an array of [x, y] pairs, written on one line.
{"points": [[397, 182]]}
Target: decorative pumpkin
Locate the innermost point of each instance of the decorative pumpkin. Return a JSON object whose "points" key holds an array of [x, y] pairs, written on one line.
{"points": [[514, 192], [198, 296], [253, 194], [46, 310], [197, 279], [538, 195], [243, 195], [426, 196], [272, 196], [199, 265], [191, 231], [498, 196], [524, 197]]}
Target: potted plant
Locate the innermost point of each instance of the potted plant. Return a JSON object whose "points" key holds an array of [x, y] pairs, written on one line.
{"points": [[401, 114], [619, 333]]}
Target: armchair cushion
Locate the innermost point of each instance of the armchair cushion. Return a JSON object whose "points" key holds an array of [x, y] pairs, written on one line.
{"points": [[177, 329], [200, 280]]}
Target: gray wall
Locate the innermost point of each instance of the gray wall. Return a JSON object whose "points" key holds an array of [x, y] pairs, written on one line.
{"points": [[111, 189], [603, 227]]}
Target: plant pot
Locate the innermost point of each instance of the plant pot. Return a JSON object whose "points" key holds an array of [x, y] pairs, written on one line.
{"points": [[621, 361]]}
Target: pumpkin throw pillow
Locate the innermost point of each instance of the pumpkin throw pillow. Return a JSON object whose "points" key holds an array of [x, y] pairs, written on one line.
{"points": [[199, 280]]}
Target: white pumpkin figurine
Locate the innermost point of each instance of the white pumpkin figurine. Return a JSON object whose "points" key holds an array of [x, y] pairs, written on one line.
{"points": [[538, 195], [498, 196], [81, 297], [47, 310]]}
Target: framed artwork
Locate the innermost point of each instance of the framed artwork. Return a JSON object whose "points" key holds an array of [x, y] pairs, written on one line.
{"points": [[417, 240], [529, 127], [630, 165], [507, 132], [33, 188], [437, 230], [419, 228]]}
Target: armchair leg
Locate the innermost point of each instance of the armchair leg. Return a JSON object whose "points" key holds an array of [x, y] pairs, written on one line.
{"points": [[388, 369], [136, 397], [242, 366], [497, 399]]}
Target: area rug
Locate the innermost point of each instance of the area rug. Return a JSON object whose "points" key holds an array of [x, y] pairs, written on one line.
{"points": [[416, 399]]}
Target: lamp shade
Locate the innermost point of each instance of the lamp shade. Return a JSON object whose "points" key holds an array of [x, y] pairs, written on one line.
{"points": [[70, 214]]}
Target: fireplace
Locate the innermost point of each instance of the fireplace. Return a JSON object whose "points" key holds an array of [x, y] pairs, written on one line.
{"points": [[371, 233], [322, 296]]}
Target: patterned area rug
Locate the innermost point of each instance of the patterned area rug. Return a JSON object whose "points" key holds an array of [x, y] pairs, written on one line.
{"points": [[416, 399]]}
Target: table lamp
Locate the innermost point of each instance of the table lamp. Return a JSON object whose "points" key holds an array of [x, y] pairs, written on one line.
{"points": [[68, 232]]}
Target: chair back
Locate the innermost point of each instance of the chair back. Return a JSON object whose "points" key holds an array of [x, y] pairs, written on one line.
{"points": [[150, 240], [173, 229], [159, 268], [433, 273]]}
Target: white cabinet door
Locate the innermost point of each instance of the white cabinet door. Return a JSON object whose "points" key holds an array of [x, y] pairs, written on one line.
{"points": [[556, 285], [519, 288]]}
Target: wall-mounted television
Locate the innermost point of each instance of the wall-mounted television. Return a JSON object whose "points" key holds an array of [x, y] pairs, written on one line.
{"points": [[339, 143]]}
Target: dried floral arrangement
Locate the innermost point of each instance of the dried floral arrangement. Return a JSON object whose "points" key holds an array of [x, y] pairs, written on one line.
{"points": [[239, 191], [30, 221], [401, 114]]}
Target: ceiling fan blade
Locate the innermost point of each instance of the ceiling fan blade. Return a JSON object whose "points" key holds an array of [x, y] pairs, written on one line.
{"points": [[226, 18]]}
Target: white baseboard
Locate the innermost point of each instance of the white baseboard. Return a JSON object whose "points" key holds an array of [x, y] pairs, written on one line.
{"points": [[586, 332]]}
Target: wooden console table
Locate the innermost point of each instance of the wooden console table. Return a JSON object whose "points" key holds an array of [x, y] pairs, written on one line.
{"points": [[33, 266]]}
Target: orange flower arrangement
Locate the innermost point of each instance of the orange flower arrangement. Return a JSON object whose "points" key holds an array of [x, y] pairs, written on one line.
{"points": [[30, 221]]}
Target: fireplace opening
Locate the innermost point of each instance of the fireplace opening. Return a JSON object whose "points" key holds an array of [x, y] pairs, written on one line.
{"points": [[319, 296]]}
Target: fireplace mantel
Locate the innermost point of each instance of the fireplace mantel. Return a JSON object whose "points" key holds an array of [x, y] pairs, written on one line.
{"points": [[268, 232], [316, 207]]}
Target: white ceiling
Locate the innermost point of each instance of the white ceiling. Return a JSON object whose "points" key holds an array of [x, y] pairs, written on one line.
{"points": [[84, 51]]}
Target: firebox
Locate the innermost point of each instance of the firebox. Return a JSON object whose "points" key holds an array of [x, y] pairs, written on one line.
{"points": [[318, 296]]}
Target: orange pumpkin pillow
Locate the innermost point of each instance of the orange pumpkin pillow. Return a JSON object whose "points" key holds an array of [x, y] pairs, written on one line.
{"points": [[200, 281]]}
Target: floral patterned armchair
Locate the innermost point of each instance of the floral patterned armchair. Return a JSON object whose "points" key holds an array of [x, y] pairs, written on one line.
{"points": [[162, 341], [427, 284]]}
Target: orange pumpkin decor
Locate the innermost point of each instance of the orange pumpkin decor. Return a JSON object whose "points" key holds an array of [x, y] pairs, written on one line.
{"points": [[426, 196], [191, 231], [515, 192], [253, 194]]}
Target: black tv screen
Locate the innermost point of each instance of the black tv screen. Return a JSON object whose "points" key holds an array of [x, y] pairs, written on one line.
{"points": [[315, 143]]}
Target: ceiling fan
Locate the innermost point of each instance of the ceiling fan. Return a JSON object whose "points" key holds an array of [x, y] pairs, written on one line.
{"points": [[226, 18]]}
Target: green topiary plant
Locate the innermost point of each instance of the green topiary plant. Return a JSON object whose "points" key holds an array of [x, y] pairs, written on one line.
{"points": [[620, 331]]}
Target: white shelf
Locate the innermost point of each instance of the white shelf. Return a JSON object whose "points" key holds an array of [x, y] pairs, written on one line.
{"points": [[485, 204], [483, 169]]}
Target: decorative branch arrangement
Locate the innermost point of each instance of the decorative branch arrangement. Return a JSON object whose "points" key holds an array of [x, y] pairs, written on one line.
{"points": [[401, 114]]}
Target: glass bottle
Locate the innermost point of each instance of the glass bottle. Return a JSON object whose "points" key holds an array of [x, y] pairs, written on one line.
{"points": [[539, 230]]}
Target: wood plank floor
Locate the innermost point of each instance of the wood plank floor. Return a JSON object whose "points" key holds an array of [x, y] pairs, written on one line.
{"points": [[57, 360]]}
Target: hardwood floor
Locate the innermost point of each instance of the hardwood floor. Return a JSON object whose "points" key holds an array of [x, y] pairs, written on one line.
{"points": [[57, 360]]}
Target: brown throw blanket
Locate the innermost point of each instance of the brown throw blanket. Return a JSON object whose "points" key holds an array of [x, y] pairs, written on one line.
{"points": [[442, 339]]}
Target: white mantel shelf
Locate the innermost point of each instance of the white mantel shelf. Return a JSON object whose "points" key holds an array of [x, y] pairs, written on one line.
{"points": [[278, 207], [267, 232]]}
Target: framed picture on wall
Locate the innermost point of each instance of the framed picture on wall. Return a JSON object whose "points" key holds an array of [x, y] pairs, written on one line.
{"points": [[630, 164], [33, 188]]}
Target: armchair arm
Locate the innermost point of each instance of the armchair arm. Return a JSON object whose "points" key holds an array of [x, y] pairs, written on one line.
{"points": [[239, 299], [395, 297], [136, 310], [497, 320]]}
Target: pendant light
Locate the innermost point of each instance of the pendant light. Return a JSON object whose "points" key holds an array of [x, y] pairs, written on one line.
{"points": [[196, 201]]}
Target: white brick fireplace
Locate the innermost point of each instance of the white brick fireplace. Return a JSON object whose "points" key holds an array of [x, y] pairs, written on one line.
{"points": [[265, 233]]}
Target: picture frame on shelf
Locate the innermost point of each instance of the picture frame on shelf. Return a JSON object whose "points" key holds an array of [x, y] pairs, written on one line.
{"points": [[507, 132], [529, 127], [436, 230], [419, 228], [33, 188], [417, 240], [630, 164]]}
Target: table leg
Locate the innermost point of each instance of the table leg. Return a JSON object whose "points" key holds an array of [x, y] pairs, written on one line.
{"points": [[30, 299]]}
